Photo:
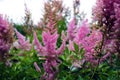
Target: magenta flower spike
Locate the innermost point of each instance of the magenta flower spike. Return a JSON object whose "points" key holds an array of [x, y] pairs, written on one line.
{"points": [[23, 43], [6, 37], [4, 27], [49, 48], [50, 42], [97, 11], [87, 40], [63, 45], [37, 67], [50, 51], [107, 14], [89, 45], [39, 48], [82, 33], [71, 45], [92, 41], [71, 30]]}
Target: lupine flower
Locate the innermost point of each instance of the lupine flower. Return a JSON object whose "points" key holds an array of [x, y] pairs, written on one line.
{"points": [[6, 37], [23, 43]]}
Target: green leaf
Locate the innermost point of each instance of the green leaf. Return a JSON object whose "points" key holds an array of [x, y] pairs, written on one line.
{"points": [[76, 47]]}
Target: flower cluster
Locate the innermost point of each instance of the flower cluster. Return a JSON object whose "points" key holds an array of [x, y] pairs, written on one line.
{"points": [[50, 37], [98, 11], [50, 51], [82, 32], [6, 37], [109, 19], [71, 30], [23, 43], [53, 11], [89, 44], [86, 40]]}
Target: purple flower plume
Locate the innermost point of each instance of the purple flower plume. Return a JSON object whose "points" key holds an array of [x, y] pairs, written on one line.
{"points": [[71, 29], [6, 37], [23, 43], [50, 51]]}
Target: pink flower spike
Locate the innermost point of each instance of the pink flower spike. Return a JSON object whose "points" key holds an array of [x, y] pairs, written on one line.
{"points": [[38, 46], [61, 49], [105, 57], [71, 45], [23, 44], [82, 33], [84, 29], [63, 37], [20, 37], [71, 30], [54, 63], [50, 41], [37, 67]]}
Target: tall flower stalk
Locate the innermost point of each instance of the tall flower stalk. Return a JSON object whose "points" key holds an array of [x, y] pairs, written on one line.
{"points": [[53, 11], [6, 37], [23, 43], [50, 52], [53, 14], [108, 19]]}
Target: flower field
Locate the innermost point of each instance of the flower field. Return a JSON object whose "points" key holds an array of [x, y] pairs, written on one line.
{"points": [[60, 48]]}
